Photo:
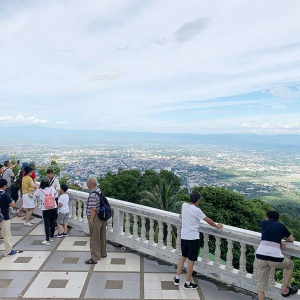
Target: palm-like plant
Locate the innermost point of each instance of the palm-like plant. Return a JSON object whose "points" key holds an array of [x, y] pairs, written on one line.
{"points": [[164, 197]]}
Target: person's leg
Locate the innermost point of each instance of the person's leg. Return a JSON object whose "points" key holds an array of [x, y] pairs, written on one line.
{"points": [[189, 270], [53, 218], [95, 240], [5, 225], [29, 214], [180, 265], [263, 272], [46, 217], [65, 227], [59, 228], [103, 238]]}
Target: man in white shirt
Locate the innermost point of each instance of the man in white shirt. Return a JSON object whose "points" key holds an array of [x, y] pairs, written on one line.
{"points": [[53, 180], [190, 242]]}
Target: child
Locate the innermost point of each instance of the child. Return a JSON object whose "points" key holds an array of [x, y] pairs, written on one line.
{"points": [[63, 211]]}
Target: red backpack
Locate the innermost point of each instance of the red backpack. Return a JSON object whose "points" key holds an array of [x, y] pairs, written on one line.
{"points": [[49, 202]]}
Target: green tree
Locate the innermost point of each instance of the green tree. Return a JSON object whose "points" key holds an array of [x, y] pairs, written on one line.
{"points": [[52, 164]]}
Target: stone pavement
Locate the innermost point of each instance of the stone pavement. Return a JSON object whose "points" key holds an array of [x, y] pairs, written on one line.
{"points": [[58, 271]]}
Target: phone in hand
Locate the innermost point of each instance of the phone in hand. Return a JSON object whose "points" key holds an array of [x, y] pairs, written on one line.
{"points": [[18, 162]]}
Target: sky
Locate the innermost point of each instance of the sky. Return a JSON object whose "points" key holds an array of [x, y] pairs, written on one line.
{"points": [[189, 66]]}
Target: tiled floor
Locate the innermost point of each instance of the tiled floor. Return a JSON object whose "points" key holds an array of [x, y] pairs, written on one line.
{"points": [[58, 271]]}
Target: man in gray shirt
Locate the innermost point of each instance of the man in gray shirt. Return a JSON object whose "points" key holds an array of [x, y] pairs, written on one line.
{"points": [[8, 175]]}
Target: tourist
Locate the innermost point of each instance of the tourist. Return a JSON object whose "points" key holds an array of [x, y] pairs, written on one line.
{"points": [[28, 188], [1, 171], [53, 181], [96, 226], [5, 203], [8, 175], [47, 196], [63, 211], [268, 255], [190, 242]]}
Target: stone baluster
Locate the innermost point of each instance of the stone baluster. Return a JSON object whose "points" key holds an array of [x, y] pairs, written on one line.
{"points": [[205, 257], [127, 224], [74, 216], [178, 240], [143, 229], [229, 256], [169, 238], [217, 252], [110, 224], [151, 232], [160, 242], [254, 276], [135, 227], [272, 276], [242, 269], [79, 218], [118, 221], [84, 215]]}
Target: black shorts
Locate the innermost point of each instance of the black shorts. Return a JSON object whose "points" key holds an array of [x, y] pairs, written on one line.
{"points": [[190, 249]]}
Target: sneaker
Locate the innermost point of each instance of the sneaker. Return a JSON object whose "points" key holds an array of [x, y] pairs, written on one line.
{"points": [[60, 235], [176, 281], [51, 240], [191, 286], [28, 224], [65, 234], [46, 242], [12, 252], [31, 221]]}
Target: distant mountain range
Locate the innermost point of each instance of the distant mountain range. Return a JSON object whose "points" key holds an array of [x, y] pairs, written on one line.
{"points": [[47, 134]]}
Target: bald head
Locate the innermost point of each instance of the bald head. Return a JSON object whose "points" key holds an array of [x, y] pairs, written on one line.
{"points": [[92, 183]]}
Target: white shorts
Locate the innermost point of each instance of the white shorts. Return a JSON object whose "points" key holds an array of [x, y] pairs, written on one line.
{"points": [[27, 201]]}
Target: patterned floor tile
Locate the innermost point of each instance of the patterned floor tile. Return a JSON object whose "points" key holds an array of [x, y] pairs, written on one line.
{"points": [[75, 244], [14, 240]]}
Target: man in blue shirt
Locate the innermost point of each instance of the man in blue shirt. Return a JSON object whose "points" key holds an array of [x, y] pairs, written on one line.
{"points": [[5, 204], [268, 255]]}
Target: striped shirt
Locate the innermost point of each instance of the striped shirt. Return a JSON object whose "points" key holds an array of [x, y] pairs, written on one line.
{"points": [[272, 234], [93, 201]]}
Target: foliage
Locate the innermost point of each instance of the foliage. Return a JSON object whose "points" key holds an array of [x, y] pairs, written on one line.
{"points": [[52, 164], [67, 179]]}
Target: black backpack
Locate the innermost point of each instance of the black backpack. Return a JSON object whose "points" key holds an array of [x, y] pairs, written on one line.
{"points": [[105, 211]]}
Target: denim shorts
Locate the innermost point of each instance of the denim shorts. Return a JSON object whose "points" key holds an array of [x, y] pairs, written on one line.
{"points": [[62, 218]]}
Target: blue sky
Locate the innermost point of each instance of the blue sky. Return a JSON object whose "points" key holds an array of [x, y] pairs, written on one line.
{"points": [[161, 66]]}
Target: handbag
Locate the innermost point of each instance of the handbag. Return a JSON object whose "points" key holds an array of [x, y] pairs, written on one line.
{"points": [[31, 194]]}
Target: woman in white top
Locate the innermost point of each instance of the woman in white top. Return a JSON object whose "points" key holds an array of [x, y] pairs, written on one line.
{"points": [[49, 214]]}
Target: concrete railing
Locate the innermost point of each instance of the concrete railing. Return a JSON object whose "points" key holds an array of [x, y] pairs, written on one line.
{"points": [[154, 232]]}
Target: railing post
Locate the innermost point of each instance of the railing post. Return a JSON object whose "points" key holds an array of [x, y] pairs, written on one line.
{"points": [[242, 269], [169, 238], [127, 224], [217, 252], [84, 219], [178, 240], [229, 256], [79, 218], [74, 216], [143, 229], [160, 242], [135, 227], [254, 276], [151, 232], [205, 257], [117, 222]]}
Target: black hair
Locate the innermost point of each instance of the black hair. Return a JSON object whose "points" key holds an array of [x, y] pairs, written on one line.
{"points": [[27, 170], [64, 187], [44, 184], [6, 163], [272, 215], [1, 166], [49, 171], [3, 182], [195, 196]]}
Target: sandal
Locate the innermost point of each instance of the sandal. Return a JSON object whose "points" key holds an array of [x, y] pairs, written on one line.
{"points": [[292, 291], [90, 262]]}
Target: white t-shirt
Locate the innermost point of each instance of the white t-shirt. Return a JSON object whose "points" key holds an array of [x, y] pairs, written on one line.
{"points": [[191, 217], [64, 199], [42, 196]]}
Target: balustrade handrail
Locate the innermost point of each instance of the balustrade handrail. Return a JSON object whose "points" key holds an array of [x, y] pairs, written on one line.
{"points": [[227, 232]]}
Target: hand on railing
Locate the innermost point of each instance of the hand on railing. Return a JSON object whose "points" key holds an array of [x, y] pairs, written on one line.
{"points": [[180, 216], [219, 226]]}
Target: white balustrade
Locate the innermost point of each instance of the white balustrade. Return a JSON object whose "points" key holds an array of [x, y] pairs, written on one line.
{"points": [[84, 215], [157, 219]]}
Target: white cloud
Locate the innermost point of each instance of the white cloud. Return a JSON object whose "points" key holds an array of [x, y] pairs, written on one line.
{"points": [[246, 125], [284, 92], [20, 119], [292, 126], [62, 122]]}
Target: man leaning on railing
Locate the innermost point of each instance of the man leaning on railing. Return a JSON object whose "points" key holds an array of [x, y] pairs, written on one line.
{"points": [[268, 255], [190, 243]]}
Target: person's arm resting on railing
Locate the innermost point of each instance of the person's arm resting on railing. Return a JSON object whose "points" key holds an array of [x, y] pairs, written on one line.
{"points": [[212, 223], [289, 239]]}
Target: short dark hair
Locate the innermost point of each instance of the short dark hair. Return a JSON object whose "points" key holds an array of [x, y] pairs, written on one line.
{"points": [[3, 182], [44, 184], [27, 170], [195, 196], [49, 171], [6, 163], [272, 215], [1, 166], [64, 187]]}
